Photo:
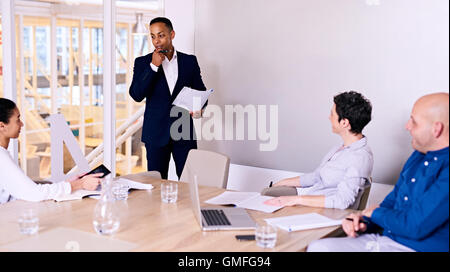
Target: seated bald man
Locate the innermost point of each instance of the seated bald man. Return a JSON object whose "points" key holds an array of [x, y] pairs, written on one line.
{"points": [[414, 216]]}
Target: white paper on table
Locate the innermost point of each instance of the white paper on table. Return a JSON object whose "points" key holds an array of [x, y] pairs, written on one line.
{"points": [[228, 198], [135, 185], [302, 222], [257, 203], [192, 100], [79, 194], [247, 200]]}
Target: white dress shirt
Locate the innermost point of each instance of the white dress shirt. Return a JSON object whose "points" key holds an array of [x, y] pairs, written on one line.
{"points": [[170, 70], [14, 184]]}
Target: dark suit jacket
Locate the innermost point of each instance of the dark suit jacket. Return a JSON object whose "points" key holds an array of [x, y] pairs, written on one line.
{"points": [[153, 86]]}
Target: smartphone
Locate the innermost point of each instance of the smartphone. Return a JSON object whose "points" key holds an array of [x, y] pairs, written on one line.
{"points": [[99, 169], [245, 237]]}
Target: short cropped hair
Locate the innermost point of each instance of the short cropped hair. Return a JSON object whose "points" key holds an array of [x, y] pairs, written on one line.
{"points": [[164, 20], [6, 109], [355, 108]]}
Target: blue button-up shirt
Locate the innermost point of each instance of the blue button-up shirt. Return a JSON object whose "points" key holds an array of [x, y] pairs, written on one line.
{"points": [[416, 212]]}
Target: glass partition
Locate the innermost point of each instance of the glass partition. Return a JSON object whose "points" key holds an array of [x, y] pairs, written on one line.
{"points": [[77, 46]]}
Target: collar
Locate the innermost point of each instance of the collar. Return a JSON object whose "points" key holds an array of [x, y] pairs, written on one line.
{"points": [[175, 56], [358, 144], [441, 152]]}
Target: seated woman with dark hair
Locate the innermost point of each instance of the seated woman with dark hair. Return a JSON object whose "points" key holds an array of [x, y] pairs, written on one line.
{"points": [[14, 184], [343, 171]]}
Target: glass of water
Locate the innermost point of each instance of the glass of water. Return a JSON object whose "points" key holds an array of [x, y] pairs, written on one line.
{"points": [[266, 236], [120, 190], [169, 192], [28, 222]]}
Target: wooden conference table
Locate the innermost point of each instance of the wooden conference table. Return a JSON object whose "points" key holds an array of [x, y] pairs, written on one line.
{"points": [[147, 224]]}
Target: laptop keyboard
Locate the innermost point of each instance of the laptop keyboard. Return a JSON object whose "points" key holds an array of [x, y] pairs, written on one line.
{"points": [[215, 217]]}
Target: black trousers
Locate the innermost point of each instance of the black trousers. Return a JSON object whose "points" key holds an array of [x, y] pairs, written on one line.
{"points": [[158, 157]]}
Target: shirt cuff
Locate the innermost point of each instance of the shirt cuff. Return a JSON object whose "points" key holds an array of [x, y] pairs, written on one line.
{"points": [[333, 202], [67, 188], [377, 216], [154, 67], [307, 180], [329, 203]]}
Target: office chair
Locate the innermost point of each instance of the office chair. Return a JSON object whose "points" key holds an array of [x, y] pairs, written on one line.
{"points": [[210, 167], [153, 174], [361, 200]]}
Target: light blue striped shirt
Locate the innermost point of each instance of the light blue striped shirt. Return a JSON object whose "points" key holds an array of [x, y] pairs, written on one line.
{"points": [[341, 175]]}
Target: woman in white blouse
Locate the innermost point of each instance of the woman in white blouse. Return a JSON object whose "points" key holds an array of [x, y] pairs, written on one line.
{"points": [[14, 184], [344, 170]]}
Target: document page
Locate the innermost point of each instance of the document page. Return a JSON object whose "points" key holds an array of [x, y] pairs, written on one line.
{"points": [[77, 195], [247, 200], [257, 203], [192, 100], [228, 198], [302, 222], [135, 185]]}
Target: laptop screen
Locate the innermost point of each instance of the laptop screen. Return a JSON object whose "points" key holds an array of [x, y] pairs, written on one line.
{"points": [[193, 192]]}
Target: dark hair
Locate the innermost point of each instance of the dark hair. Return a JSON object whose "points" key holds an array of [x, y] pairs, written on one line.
{"points": [[355, 108], [6, 109], [164, 20]]}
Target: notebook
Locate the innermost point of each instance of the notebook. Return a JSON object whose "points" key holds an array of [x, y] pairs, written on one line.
{"points": [[218, 218]]}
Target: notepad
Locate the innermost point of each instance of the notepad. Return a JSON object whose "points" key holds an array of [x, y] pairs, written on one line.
{"points": [[246, 200], [302, 222], [79, 194]]}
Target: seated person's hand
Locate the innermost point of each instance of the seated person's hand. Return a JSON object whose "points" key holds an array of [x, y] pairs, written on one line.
{"points": [[352, 228], [91, 182], [74, 178], [282, 201]]}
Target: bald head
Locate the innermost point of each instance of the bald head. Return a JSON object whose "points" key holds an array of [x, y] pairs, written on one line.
{"points": [[429, 122], [435, 107]]}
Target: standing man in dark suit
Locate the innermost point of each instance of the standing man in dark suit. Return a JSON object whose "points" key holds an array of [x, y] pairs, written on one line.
{"points": [[159, 77]]}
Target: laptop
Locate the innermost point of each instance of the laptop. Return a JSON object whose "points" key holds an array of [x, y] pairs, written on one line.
{"points": [[218, 218]]}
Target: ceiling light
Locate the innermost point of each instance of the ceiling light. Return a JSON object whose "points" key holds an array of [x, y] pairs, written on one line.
{"points": [[139, 27]]}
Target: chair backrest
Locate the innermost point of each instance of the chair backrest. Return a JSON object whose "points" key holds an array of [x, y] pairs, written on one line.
{"points": [[210, 167], [245, 178], [363, 196], [153, 174]]}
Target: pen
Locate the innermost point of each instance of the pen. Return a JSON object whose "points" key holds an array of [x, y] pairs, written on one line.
{"points": [[361, 221]]}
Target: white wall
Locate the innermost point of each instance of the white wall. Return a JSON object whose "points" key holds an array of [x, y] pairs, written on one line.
{"points": [[181, 14], [298, 54]]}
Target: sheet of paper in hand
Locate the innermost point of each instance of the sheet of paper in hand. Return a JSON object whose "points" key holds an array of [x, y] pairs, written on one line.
{"points": [[192, 100]]}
